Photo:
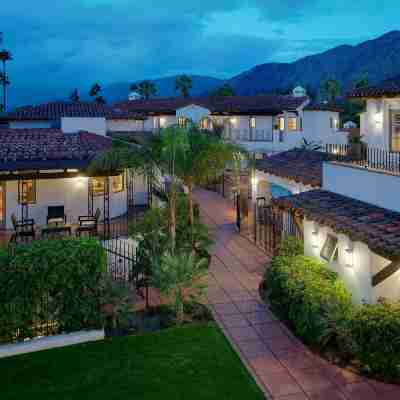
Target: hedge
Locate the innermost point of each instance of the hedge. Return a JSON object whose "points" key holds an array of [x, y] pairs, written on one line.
{"points": [[318, 307], [55, 283]]}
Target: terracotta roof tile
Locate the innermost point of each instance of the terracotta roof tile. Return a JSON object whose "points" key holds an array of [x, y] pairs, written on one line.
{"points": [[379, 228], [387, 88], [301, 166], [29, 148], [233, 105], [57, 110]]}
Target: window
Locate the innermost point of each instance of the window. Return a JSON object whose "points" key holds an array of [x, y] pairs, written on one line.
{"points": [[156, 122], [395, 131], [27, 192], [301, 123], [281, 123], [252, 123], [182, 122], [329, 251], [205, 123], [98, 186], [117, 183], [292, 124]]}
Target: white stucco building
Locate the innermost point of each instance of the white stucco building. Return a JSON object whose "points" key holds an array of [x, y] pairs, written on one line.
{"points": [[380, 123]]}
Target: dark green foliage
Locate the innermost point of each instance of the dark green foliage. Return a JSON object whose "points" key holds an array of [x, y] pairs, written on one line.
{"points": [[51, 280], [375, 330], [304, 292], [291, 246], [194, 362]]}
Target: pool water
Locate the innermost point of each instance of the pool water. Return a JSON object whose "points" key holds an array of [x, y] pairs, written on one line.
{"points": [[279, 191]]}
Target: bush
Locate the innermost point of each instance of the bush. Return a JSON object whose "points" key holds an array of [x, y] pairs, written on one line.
{"points": [[291, 246], [303, 291], [375, 333], [51, 282]]}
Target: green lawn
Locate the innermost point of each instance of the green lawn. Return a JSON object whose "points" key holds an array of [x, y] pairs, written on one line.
{"points": [[194, 362]]}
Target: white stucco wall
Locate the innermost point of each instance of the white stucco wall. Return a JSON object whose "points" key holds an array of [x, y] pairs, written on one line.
{"points": [[356, 269], [193, 113], [375, 121], [31, 124], [72, 193], [93, 125], [125, 125], [376, 188]]}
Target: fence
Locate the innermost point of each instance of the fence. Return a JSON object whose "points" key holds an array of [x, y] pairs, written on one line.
{"points": [[366, 157], [271, 225]]}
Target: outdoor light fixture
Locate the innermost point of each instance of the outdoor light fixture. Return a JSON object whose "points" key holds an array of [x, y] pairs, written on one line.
{"points": [[162, 122], [314, 234], [233, 121], [349, 251], [254, 181]]}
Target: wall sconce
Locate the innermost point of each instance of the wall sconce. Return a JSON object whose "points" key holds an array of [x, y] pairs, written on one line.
{"points": [[314, 236], [80, 180], [162, 122], [379, 118], [348, 253], [254, 181], [233, 121]]}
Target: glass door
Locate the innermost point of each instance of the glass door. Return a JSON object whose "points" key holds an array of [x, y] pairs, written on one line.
{"points": [[395, 131]]}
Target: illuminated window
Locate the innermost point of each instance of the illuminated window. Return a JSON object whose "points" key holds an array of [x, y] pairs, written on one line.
{"points": [[329, 251], [205, 123], [395, 132], [292, 124], [252, 123], [98, 185], [281, 123], [182, 122], [117, 183], [27, 192]]}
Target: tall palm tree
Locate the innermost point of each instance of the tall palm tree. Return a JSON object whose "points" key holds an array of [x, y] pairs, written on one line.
{"points": [[146, 89], [5, 56], [183, 84], [74, 96]]}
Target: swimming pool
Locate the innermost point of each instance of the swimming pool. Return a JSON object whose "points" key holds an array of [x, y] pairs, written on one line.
{"points": [[279, 191]]}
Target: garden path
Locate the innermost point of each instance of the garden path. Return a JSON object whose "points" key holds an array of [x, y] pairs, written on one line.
{"points": [[281, 365]]}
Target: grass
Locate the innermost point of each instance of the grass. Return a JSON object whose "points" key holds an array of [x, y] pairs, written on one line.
{"points": [[194, 362]]}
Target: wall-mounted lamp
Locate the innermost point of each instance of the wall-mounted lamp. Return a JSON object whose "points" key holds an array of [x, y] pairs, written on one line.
{"points": [[233, 121], [254, 181], [314, 236], [348, 253]]}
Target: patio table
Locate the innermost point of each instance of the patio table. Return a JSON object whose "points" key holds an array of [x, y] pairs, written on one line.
{"points": [[57, 229]]}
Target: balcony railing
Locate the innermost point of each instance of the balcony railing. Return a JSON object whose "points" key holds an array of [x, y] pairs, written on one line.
{"points": [[361, 155], [253, 135]]}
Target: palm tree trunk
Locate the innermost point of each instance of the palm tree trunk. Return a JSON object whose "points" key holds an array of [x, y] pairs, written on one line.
{"points": [[191, 205], [172, 214]]}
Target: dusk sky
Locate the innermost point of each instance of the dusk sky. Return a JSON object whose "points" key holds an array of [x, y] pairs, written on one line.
{"points": [[60, 44]]}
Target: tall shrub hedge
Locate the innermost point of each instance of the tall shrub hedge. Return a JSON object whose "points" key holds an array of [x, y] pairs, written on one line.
{"points": [[56, 281], [304, 292]]}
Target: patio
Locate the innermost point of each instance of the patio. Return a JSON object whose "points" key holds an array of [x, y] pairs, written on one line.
{"points": [[282, 366]]}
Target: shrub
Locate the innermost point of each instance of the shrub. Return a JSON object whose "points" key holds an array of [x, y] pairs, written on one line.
{"points": [[303, 291], [57, 281], [375, 333], [291, 246]]}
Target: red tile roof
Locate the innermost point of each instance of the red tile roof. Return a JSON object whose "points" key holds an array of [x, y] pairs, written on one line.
{"points": [[57, 110], [387, 88], [269, 105], [301, 166], [22, 149], [323, 107], [379, 228]]}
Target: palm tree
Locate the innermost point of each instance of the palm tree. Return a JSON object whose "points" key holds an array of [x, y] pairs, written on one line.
{"points": [[200, 157], [330, 89], [5, 56], [146, 89], [184, 83], [225, 90]]}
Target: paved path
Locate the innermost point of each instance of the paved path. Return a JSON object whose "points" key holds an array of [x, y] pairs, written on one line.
{"points": [[282, 366]]}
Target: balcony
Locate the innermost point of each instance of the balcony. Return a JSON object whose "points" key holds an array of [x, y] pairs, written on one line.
{"points": [[364, 157]]}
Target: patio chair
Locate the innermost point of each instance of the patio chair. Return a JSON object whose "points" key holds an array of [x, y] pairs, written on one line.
{"points": [[56, 215], [23, 229], [88, 224]]}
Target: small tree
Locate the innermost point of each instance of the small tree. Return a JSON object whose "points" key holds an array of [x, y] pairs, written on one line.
{"points": [[225, 90], [180, 276], [183, 84], [146, 89], [95, 93]]}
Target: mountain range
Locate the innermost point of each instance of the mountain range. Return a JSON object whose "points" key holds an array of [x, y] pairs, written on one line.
{"points": [[378, 59]]}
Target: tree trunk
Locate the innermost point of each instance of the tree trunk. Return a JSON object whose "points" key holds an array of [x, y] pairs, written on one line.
{"points": [[191, 205], [172, 214]]}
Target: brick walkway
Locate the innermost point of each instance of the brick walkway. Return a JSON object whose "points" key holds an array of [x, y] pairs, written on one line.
{"points": [[281, 365]]}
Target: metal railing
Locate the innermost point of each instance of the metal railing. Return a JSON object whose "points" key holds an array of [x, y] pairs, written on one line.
{"points": [[364, 156], [250, 135]]}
